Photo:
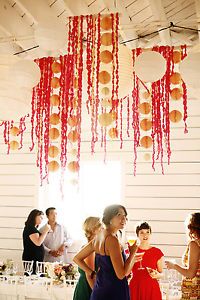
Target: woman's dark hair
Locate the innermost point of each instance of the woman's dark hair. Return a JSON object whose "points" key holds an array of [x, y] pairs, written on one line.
{"points": [[110, 212], [143, 225], [193, 224], [32, 216]]}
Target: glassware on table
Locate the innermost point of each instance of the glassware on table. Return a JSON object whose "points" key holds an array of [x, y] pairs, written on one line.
{"points": [[40, 268], [28, 266], [138, 255]]}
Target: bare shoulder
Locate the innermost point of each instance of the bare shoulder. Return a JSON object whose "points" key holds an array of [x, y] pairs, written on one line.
{"points": [[193, 246], [112, 240]]}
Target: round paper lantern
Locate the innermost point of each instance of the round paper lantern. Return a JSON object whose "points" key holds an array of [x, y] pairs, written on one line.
{"points": [[176, 94], [73, 166], [106, 39], [175, 78], [14, 131], [14, 145], [55, 82], [54, 100], [75, 82], [73, 152], [56, 67], [26, 73], [105, 91], [150, 66], [106, 23], [146, 124], [73, 136], [105, 119], [146, 95], [190, 70], [113, 133], [175, 116], [176, 57], [106, 103], [104, 77], [147, 156], [144, 108], [50, 34], [74, 103], [53, 151], [106, 57], [113, 115], [54, 133], [72, 121], [53, 166], [146, 141], [54, 119]]}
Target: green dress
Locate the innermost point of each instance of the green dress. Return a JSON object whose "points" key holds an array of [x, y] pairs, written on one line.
{"points": [[82, 290]]}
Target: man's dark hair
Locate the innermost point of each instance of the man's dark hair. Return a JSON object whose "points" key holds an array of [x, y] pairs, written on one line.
{"points": [[49, 209]]}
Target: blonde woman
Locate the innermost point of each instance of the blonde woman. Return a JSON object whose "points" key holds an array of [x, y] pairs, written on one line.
{"points": [[91, 227]]}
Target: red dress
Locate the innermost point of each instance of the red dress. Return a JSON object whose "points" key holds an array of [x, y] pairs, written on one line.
{"points": [[142, 286]]}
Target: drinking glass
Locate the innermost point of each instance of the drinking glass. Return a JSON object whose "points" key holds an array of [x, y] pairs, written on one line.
{"points": [[140, 254], [40, 268], [28, 266]]}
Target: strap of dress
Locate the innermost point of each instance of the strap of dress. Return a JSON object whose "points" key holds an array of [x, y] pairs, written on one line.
{"points": [[105, 243]]}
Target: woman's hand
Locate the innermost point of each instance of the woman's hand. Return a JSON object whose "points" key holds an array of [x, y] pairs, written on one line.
{"points": [[46, 228], [154, 273], [133, 248], [169, 265]]}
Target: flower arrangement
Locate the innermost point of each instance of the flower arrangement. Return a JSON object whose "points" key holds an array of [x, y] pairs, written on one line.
{"points": [[8, 264], [60, 272]]}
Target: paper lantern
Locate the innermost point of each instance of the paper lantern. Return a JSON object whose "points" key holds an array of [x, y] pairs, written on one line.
{"points": [[54, 119], [54, 100], [73, 152], [144, 108], [113, 133], [14, 131], [146, 124], [53, 166], [50, 34], [106, 23], [73, 166], [54, 133], [56, 67], [73, 136], [53, 151], [190, 70], [147, 156], [106, 103], [105, 91], [75, 82], [74, 103], [146, 141], [55, 82], [106, 57], [26, 73], [113, 115], [175, 78], [176, 94], [176, 57], [146, 95], [175, 116], [104, 77], [106, 39], [105, 119], [72, 121], [150, 66], [14, 145]]}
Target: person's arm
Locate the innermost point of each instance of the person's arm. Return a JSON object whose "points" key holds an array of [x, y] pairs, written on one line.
{"points": [[39, 239], [80, 257], [157, 274], [121, 268], [90, 262], [193, 262]]}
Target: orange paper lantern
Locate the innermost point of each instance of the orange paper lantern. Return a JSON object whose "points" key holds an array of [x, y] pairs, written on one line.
{"points": [[54, 133], [106, 57], [106, 23], [14, 131], [54, 119], [176, 57], [176, 94], [53, 166], [55, 82], [56, 67], [73, 136], [145, 124], [75, 82], [54, 100], [105, 91], [73, 152], [72, 121], [147, 156], [106, 39], [175, 116], [146, 95], [14, 145], [74, 103], [144, 108], [104, 77], [113, 115], [73, 166], [113, 133], [105, 119], [175, 78], [53, 151], [146, 141]]}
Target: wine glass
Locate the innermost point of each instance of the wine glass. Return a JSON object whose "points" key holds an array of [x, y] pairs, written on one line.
{"points": [[140, 255], [40, 268], [131, 239], [28, 266]]}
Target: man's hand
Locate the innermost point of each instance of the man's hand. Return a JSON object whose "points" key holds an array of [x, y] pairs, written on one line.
{"points": [[61, 249], [54, 253]]}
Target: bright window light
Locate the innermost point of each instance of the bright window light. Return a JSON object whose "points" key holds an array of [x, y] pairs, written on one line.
{"points": [[99, 185]]}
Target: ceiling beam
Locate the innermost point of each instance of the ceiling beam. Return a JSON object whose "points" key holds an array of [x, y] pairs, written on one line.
{"points": [[197, 7], [159, 15]]}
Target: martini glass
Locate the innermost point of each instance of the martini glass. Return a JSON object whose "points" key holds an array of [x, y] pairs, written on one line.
{"points": [[140, 255]]}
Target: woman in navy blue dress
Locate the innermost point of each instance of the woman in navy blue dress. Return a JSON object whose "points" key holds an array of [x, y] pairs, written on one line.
{"points": [[111, 282]]}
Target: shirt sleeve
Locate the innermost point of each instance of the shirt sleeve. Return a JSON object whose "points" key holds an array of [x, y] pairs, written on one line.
{"points": [[67, 239]]}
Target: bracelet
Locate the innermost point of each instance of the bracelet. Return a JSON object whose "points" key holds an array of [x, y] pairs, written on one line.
{"points": [[93, 274]]}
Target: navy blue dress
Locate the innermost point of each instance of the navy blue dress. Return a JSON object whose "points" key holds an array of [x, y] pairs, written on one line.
{"points": [[108, 286]]}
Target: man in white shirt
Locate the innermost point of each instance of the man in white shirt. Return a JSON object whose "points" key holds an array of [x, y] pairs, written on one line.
{"points": [[57, 240]]}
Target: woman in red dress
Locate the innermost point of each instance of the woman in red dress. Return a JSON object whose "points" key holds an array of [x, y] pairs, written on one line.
{"points": [[145, 274]]}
